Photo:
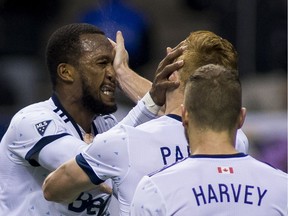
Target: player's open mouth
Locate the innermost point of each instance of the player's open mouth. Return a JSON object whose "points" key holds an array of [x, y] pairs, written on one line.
{"points": [[107, 90]]}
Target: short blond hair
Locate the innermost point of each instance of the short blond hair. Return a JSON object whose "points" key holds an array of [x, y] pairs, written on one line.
{"points": [[205, 47]]}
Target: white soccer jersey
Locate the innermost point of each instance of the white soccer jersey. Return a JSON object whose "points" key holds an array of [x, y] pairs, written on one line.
{"points": [[220, 185], [126, 154], [44, 133]]}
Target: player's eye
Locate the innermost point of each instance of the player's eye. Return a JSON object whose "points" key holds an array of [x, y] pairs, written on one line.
{"points": [[102, 62]]}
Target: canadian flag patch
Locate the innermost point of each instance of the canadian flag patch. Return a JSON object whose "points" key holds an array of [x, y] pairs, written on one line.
{"points": [[225, 170]]}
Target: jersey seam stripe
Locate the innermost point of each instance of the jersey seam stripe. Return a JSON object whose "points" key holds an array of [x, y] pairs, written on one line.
{"points": [[39, 145]]}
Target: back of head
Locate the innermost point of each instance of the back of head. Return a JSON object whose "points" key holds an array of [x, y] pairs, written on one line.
{"points": [[213, 98], [205, 47], [64, 46]]}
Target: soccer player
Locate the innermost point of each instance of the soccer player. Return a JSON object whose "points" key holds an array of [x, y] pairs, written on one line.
{"points": [[126, 154], [44, 135], [216, 179]]}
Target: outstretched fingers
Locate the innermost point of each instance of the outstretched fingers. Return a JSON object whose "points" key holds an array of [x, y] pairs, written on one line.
{"points": [[169, 69], [165, 69], [172, 55], [121, 55]]}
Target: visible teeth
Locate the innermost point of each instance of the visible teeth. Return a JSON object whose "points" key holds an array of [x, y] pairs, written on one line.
{"points": [[107, 92]]}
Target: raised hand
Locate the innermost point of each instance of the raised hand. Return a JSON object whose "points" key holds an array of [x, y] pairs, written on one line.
{"points": [[165, 69], [121, 58]]}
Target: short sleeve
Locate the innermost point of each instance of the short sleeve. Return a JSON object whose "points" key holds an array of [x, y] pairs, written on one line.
{"points": [[108, 155], [28, 128], [138, 115], [147, 199]]}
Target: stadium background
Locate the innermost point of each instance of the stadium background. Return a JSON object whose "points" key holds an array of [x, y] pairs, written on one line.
{"points": [[257, 28]]}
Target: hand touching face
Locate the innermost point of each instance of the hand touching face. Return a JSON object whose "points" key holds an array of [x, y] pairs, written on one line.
{"points": [[97, 74]]}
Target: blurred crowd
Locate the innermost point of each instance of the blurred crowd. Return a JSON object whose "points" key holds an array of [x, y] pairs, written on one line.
{"points": [[257, 28]]}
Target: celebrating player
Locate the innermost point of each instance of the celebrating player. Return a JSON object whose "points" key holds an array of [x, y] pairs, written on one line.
{"points": [[216, 179], [44, 135], [126, 154]]}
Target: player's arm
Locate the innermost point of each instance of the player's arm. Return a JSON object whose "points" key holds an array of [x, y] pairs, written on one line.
{"points": [[132, 84], [135, 86], [54, 154], [66, 183], [44, 139], [59, 151], [145, 201], [84, 173]]}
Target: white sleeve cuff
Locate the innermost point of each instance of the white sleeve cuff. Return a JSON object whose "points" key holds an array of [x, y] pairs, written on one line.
{"points": [[149, 104]]}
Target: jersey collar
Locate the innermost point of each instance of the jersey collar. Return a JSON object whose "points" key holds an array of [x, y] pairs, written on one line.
{"points": [[176, 117], [69, 118], [237, 155]]}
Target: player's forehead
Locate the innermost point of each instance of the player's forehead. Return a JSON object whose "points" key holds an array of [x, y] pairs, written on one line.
{"points": [[94, 42]]}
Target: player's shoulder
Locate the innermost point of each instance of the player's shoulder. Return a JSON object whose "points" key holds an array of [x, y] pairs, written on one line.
{"points": [[171, 169], [161, 122], [170, 119], [265, 167], [37, 115], [114, 134], [34, 111], [109, 142]]}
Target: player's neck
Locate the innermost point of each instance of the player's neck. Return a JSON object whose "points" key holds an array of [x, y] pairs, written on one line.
{"points": [[211, 142], [75, 109], [175, 110], [173, 102], [81, 116]]}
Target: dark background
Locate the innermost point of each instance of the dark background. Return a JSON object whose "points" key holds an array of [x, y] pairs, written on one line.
{"points": [[257, 28]]}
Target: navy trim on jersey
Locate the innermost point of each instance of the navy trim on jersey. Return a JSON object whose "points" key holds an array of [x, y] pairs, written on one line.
{"points": [[165, 167], [176, 117], [88, 169], [59, 105], [218, 156], [200, 156], [39, 145]]}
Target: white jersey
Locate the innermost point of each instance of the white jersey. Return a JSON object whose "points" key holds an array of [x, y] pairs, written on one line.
{"points": [[126, 154], [40, 138], [220, 185]]}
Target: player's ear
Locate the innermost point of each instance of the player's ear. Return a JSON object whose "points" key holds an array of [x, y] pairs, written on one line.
{"points": [[66, 72], [242, 117], [184, 116]]}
